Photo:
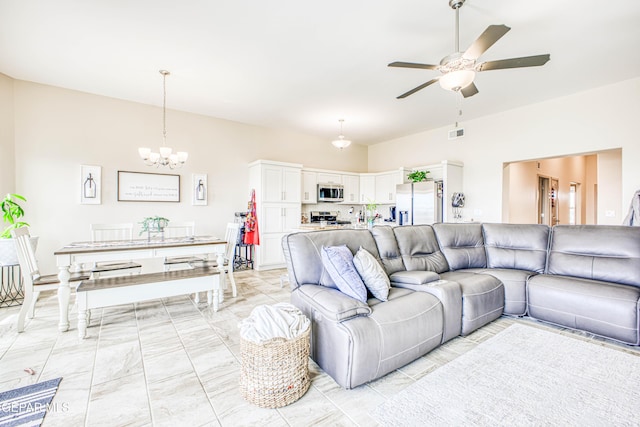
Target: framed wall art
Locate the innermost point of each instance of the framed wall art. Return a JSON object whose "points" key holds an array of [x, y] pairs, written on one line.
{"points": [[199, 188], [148, 187], [90, 185]]}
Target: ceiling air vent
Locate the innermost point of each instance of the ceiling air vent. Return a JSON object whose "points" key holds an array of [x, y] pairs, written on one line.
{"points": [[456, 133]]}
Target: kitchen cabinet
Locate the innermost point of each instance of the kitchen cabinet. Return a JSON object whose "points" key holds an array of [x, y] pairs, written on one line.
{"points": [[278, 188], [351, 189], [329, 178], [309, 187], [367, 188], [385, 186], [280, 183]]}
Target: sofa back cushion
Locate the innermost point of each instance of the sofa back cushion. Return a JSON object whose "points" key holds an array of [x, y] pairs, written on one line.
{"points": [[517, 246], [302, 253], [388, 248], [419, 248], [462, 245], [601, 252]]}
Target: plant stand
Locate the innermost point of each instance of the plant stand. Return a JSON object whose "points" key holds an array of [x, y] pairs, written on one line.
{"points": [[11, 291]]}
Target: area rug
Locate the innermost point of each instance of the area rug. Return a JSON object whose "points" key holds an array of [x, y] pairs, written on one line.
{"points": [[524, 376], [27, 406]]}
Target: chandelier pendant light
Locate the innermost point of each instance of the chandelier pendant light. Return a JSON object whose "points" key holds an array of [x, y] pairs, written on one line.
{"points": [[165, 157], [341, 142]]}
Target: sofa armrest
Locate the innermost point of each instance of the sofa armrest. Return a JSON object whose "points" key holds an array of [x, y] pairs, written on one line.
{"points": [[331, 303], [414, 277], [450, 295]]}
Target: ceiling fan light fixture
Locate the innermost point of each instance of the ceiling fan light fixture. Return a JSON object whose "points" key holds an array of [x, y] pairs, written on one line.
{"points": [[456, 80]]}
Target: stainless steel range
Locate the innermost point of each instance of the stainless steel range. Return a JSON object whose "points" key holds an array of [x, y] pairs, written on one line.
{"points": [[330, 218]]}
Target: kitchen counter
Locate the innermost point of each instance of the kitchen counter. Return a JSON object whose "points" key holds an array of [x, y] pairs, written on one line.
{"points": [[315, 227]]}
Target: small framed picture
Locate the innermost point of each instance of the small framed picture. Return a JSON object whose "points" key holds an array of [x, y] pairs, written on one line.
{"points": [[199, 188], [90, 185]]}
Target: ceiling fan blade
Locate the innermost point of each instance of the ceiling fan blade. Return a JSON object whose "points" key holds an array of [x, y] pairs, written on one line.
{"points": [[492, 34], [414, 90], [413, 65], [525, 61], [469, 90]]}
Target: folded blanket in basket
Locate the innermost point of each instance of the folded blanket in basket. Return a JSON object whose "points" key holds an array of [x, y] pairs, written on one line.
{"points": [[272, 321]]}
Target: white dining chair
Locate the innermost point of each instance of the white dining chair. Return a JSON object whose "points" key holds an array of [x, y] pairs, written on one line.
{"points": [[113, 232], [176, 230], [32, 281], [231, 237]]}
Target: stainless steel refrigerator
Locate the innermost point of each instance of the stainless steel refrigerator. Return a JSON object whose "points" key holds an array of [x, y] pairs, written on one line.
{"points": [[419, 203]]}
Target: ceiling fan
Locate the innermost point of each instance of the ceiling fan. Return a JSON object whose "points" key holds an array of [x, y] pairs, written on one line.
{"points": [[459, 68]]}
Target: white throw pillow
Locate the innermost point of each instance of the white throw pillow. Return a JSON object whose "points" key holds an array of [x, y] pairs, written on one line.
{"points": [[372, 273]]}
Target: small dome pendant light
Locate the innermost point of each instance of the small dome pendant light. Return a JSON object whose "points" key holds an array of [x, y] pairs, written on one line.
{"points": [[341, 142]]}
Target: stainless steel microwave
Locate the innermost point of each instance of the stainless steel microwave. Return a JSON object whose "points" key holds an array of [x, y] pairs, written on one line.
{"points": [[332, 193]]}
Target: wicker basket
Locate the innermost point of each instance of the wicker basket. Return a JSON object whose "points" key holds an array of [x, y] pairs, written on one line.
{"points": [[275, 373]]}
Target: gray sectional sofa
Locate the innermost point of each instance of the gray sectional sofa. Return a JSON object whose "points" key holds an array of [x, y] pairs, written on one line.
{"points": [[451, 279]]}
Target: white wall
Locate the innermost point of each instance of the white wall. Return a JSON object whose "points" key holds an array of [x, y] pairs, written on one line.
{"points": [[7, 167], [57, 130], [586, 122], [611, 209]]}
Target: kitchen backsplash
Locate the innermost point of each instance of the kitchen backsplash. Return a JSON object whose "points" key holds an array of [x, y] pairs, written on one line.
{"points": [[342, 210]]}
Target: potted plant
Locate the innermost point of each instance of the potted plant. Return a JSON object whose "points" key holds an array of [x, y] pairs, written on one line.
{"points": [[371, 213], [154, 224], [418, 176], [12, 214]]}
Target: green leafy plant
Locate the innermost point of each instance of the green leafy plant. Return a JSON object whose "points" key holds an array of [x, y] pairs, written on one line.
{"points": [[11, 214], [153, 224], [371, 210], [418, 176]]}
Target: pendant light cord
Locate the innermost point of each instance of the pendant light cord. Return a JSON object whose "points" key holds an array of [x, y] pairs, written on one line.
{"points": [[164, 106]]}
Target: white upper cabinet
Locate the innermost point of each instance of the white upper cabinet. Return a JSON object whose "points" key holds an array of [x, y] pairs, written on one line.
{"points": [[385, 188], [309, 187], [329, 178], [281, 183], [351, 189], [367, 188]]}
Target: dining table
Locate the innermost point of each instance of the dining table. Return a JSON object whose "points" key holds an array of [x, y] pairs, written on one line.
{"points": [[71, 257]]}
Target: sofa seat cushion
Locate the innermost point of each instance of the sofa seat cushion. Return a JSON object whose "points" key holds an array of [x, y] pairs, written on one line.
{"points": [[482, 298], [415, 277], [602, 308], [397, 332], [515, 283]]}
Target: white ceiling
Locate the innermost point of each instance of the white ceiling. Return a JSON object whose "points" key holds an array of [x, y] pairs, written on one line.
{"points": [[301, 65]]}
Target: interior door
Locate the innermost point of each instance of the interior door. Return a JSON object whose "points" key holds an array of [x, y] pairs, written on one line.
{"points": [[543, 200], [553, 200], [548, 209]]}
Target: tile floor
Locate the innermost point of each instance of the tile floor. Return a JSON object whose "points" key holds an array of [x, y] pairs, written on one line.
{"points": [[172, 362]]}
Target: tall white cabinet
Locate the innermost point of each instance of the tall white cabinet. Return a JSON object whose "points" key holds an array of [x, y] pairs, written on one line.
{"points": [[278, 200]]}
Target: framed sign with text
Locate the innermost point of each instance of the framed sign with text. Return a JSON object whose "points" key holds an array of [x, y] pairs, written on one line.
{"points": [[148, 187]]}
